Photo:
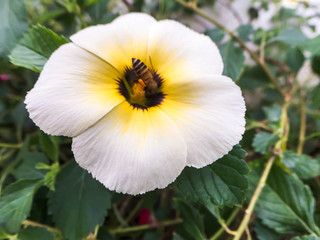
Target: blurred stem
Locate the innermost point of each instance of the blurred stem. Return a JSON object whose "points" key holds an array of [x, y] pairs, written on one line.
{"points": [[6, 156], [255, 57], [248, 234], [135, 210], [120, 219], [255, 196], [255, 124], [227, 223], [27, 223], [302, 133], [280, 146], [6, 145], [146, 226]]}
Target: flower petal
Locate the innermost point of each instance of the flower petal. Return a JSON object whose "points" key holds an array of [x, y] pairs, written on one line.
{"points": [[177, 51], [74, 90], [131, 150], [210, 114], [118, 42]]}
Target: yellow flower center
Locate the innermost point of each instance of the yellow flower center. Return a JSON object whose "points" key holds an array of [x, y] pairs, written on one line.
{"points": [[141, 86]]}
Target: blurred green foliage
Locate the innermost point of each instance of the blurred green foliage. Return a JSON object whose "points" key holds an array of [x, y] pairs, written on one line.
{"points": [[44, 194]]}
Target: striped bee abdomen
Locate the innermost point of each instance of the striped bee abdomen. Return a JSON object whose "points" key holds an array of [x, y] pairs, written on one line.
{"points": [[142, 71]]}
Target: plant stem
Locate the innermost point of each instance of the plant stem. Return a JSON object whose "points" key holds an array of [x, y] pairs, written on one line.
{"points": [[135, 210], [255, 196], [7, 145], [120, 219], [146, 227], [302, 133], [27, 223], [255, 57], [229, 220]]}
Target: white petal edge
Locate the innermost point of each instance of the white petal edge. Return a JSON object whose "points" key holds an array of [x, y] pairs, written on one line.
{"points": [[210, 114], [74, 90], [178, 52], [132, 151], [120, 41]]}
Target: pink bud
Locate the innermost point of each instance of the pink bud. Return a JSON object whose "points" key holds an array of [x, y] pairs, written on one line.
{"points": [[4, 77]]}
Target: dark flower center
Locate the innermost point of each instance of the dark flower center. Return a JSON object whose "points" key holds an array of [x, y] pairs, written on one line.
{"points": [[141, 89]]}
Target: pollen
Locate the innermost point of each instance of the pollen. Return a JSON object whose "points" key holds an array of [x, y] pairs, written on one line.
{"points": [[138, 93]]}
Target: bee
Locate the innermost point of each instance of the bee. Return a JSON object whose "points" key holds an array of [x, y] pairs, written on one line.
{"points": [[144, 75]]}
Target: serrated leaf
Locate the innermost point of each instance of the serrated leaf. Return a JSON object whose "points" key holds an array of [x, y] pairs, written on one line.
{"points": [[285, 204], [14, 22], [50, 145], [15, 203], [32, 233], [192, 220], [303, 165], [265, 233], [35, 48], [222, 183], [216, 34], [27, 169], [79, 202], [295, 59], [273, 113], [244, 31], [262, 141], [306, 237], [290, 37], [233, 60]]}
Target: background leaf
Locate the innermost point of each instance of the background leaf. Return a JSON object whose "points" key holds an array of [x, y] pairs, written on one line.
{"points": [[233, 60], [263, 141], [291, 37], [50, 145], [15, 203], [222, 183], [192, 220], [33, 233], [35, 48], [286, 204], [303, 165], [79, 202], [14, 22]]}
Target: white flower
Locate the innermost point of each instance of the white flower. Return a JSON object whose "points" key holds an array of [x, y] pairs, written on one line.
{"points": [[130, 137]]}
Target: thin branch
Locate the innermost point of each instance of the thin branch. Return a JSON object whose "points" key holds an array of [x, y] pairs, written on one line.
{"points": [[27, 223], [228, 222], [302, 132], [146, 226], [255, 57], [255, 196]]}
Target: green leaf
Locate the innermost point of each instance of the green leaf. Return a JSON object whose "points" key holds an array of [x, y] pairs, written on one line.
{"points": [[50, 145], [306, 237], [98, 10], [273, 113], [216, 34], [14, 22], [290, 37], [303, 165], [244, 31], [285, 204], [79, 202], [4, 235], [265, 233], [192, 220], [295, 59], [222, 183], [263, 141], [50, 177], [315, 64], [32, 233], [312, 45], [315, 96], [35, 48], [27, 169], [15, 203], [233, 60], [253, 77]]}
